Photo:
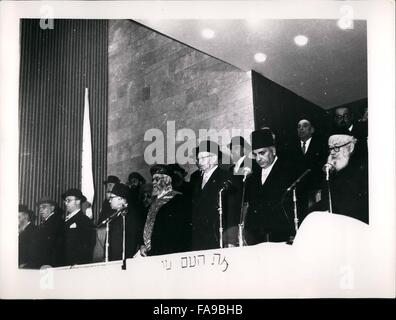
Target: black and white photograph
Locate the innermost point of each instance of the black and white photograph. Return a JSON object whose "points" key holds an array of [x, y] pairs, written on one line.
{"points": [[197, 150]]}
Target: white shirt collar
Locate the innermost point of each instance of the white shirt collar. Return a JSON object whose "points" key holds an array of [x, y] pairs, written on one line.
{"points": [[72, 214], [350, 128], [238, 164], [306, 144], [25, 226], [207, 174], [52, 213], [266, 171]]}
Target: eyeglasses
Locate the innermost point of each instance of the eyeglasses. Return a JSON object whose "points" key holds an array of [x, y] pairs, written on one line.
{"points": [[200, 158], [345, 116], [337, 148], [69, 200]]}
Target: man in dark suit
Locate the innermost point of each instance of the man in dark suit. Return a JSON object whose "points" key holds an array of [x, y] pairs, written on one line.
{"points": [[344, 121], [348, 178], [27, 240], [79, 230], [308, 151], [206, 184], [50, 234], [106, 210], [128, 216], [269, 217]]}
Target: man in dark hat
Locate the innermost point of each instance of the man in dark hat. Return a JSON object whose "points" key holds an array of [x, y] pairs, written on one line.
{"points": [[348, 178], [50, 234], [127, 213], [27, 240], [79, 230], [239, 148], [206, 183], [266, 220], [168, 224], [106, 210]]}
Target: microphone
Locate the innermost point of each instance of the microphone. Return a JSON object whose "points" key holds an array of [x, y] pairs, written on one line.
{"points": [[226, 185], [298, 180], [246, 171], [108, 219], [327, 168]]}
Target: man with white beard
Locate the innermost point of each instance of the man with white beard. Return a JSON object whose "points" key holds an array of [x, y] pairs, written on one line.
{"points": [[348, 178]]}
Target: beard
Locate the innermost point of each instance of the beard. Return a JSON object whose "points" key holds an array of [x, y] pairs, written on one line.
{"points": [[339, 161]]}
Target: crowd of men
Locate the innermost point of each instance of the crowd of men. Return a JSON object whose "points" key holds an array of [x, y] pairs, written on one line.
{"points": [[173, 215]]}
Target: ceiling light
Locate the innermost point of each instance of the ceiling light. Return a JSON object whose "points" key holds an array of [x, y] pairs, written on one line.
{"points": [[260, 57], [300, 40], [208, 33]]}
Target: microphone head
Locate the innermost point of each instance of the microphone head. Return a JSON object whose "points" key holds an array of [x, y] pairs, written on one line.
{"points": [[226, 185], [246, 171]]}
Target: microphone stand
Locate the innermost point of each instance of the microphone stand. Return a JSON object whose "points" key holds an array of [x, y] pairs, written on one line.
{"points": [[107, 244], [220, 218], [295, 209], [123, 243], [329, 191], [241, 224]]}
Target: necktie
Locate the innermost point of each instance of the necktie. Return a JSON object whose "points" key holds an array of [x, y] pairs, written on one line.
{"points": [[303, 148], [204, 180]]}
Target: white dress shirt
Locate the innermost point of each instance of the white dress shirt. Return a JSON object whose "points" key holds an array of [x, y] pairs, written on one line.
{"points": [[72, 214], [206, 176], [265, 172], [306, 144]]}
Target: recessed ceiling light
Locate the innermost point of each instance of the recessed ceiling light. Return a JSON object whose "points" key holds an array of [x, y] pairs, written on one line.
{"points": [[260, 57], [208, 33], [301, 40]]}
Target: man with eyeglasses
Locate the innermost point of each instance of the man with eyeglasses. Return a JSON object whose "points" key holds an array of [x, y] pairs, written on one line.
{"points": [[269, 217], [79, 230], [206, 184], [348, 178]]}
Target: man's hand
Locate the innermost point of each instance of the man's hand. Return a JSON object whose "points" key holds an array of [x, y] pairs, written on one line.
{"points": [[143, 251]]}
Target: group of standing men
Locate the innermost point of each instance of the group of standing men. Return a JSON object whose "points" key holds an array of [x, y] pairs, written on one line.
{"points": [[206, 212]]}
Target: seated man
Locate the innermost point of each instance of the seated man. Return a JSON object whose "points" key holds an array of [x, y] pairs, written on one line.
{"points": [[348, 179], [168, 224]]}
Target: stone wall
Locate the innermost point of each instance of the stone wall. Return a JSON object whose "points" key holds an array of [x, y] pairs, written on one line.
{"points": [[155, 82]]}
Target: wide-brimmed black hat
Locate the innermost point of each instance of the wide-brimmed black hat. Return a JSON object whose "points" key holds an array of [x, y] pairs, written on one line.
{"points": [[208, 146], [175, 167], [47, 200], [160, 169], [121, 190], [237, 141], [112, 179], [74, 193], [262, 138]]}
